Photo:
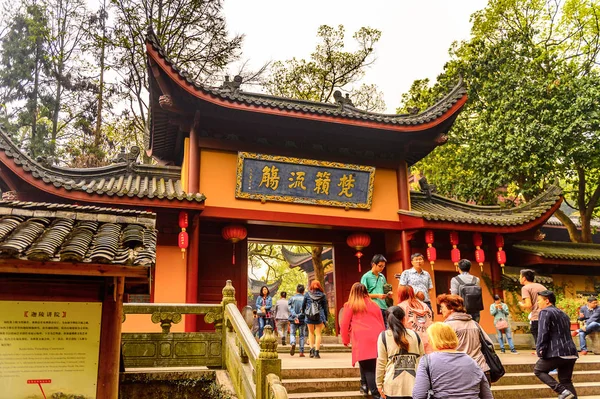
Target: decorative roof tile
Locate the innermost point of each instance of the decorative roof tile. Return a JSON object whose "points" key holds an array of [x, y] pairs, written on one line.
{"points": [[342, 109], [127, 180], [560, 250], [438, 208], [73, 233]]}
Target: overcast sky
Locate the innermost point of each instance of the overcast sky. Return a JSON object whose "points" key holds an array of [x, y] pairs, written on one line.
{"points": [[416, 34]]}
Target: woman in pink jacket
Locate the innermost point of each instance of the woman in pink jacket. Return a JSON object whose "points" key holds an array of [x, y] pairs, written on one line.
{"points": [[361, 325]]}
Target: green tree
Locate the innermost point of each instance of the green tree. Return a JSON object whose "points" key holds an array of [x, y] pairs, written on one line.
{"points": [[330, 68], [533, 117], [192, 32]]}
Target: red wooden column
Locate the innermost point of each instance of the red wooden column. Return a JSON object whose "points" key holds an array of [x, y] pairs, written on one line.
{"points": [[191, 292], [194, 162], [110, 339], [496, 271], [404, 203]]}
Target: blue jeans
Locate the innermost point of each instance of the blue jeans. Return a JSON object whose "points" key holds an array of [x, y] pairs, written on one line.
{"points": [[589, 328], [302, 332], [262, 322], [508, 338]]}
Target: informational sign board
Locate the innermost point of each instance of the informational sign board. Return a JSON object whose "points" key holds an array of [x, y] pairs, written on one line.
{"points": [[304, 181], [49, 348]]}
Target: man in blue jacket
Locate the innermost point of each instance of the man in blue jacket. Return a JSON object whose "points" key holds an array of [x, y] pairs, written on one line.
{"points": [[297, 320], [555, 347], [592, 323]]}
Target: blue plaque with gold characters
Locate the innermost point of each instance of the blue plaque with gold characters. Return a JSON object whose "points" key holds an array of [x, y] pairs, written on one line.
{"points": [[304, 181]]}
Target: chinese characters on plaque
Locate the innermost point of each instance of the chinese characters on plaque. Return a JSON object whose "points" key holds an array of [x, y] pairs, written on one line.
{"points": [[284, 179]]}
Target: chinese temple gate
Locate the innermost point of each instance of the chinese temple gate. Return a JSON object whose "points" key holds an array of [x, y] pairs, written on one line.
{"points": [[285, 170]]}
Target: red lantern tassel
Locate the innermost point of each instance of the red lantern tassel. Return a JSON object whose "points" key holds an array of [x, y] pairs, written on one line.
{"points": [[233, 255], [359, 255]]}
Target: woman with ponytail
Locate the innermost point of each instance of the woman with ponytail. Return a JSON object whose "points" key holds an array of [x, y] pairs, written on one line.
{"points": [[361, 324], [398, 353]]}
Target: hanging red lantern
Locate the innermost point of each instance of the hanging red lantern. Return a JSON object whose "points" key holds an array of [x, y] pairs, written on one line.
{"points": [[477, 239], [183, 242], [429, 239], [454, 238], [455, 252], [501, 255], [479, 254], [455, 256], [501, 258], [429, 236], [358, 241], [234, 233], [183, 239]]}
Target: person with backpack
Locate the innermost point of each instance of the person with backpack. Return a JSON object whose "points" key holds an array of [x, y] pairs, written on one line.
{"points": [[468, 288], [449, 372], [316, 312], [467, 330], [361, 324], [398, 353]]}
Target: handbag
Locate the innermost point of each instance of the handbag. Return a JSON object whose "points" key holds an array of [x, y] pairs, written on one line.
{"points": [[430, 394], [501, 324], [491, 358]]}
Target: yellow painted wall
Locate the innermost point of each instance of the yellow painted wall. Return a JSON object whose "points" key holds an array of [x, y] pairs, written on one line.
{"points": [[218, 178], [573, 283], [170, 287]]}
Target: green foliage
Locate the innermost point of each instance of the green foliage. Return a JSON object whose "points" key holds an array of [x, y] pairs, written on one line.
{"points": [[570, 306], [330, 68], [533, 117]]}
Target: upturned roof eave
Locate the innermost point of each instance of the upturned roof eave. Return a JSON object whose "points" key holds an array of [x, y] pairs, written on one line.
{"points": [[400, 123]]}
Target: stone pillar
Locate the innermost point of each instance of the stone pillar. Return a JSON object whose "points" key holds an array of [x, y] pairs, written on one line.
{"points": [[223, 326], [268, 362]]}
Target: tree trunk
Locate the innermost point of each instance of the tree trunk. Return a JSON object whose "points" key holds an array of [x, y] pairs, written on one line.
{"points": [[101, 88], [34, 97], [574, 233], [317, 261]]}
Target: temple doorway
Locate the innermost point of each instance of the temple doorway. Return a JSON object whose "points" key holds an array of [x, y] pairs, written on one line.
{"points": [[282, 266]]}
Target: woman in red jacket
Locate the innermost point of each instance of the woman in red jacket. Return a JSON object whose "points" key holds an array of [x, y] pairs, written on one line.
{"points": [[361, 325]]}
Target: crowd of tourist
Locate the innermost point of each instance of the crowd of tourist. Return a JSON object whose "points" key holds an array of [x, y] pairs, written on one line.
{"points": [[402, 353]]}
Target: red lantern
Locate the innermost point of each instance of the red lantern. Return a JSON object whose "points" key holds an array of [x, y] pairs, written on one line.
{"points": [[455, 255], [501, 255], [431, 254], [501, 258], [499, 241], [234, 233], [454, 238], [183, 239], [479, 256], [358, 241], [429, 236], [477, 239]]}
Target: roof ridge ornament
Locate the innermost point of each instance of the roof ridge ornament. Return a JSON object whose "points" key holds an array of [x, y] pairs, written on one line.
{"points": [[341, 100], [427, 188], [232, 86], [130, 158]]}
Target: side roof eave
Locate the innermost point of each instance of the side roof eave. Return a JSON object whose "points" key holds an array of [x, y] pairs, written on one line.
{"points": [[534, 214], [432, 116], [26, 167]]}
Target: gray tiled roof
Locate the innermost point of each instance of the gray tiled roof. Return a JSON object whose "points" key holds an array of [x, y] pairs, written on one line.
{"points": [[560, 250], [311, 107], [71, 233], [438, 208], [119, 180]]}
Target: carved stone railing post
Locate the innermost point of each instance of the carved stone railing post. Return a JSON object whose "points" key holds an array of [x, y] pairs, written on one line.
{"points": [[268, 362], [228, 297], [166, 319]]}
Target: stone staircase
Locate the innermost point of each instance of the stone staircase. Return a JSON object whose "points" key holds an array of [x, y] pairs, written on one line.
{"points": [[325, 382]]}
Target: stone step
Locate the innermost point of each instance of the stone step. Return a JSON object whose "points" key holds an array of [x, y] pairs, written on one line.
{"points": [[321, 384], [319, 372], [525, 378], [337, 348], [537, 391], [528, 367], [332, 395]]}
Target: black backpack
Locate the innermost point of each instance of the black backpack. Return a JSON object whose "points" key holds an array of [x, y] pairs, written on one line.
{"points": [[471, 294], [313, 313]]}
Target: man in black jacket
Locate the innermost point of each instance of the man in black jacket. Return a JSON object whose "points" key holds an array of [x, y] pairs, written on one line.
{"points": [[555, 347]]}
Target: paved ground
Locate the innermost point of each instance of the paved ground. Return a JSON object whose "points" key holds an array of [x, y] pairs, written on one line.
{"points": [[334, 360]]}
